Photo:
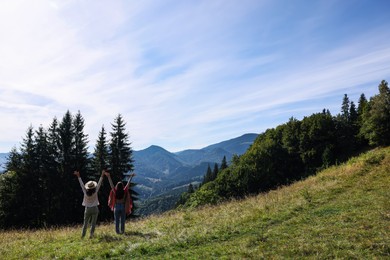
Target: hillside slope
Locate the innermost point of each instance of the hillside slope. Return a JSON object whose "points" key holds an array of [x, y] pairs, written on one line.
{"points": [[342, 212]]}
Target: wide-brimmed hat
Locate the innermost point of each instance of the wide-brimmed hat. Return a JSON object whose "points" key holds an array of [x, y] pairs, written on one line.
{"points": [[90, 185]]}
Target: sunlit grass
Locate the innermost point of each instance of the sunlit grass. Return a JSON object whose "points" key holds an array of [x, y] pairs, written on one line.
{"points": [[343, 212]]}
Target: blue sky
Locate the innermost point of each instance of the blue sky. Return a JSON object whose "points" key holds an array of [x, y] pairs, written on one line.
{"points": [[185, 74]]}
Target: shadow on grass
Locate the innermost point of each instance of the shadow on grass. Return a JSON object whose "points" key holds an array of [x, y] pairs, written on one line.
{"points": [[140, 234], [116, 237]]}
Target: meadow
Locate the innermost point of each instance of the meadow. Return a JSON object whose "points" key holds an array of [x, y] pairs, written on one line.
{"points": [[342, 212]]}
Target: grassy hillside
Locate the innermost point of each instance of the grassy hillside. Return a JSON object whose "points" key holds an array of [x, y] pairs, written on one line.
{"points": [[343, 212]]}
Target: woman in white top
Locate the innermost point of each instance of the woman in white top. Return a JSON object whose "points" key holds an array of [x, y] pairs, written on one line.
{"points": [[90, 201]]}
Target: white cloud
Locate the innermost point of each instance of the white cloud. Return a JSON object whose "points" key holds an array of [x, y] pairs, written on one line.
{"points": [[183, 74]]}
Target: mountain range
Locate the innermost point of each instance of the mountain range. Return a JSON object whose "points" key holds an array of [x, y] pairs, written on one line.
{"points": [[159, 170], [161, 173]]}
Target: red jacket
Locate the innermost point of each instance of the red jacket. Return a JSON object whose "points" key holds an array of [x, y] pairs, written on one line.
{"points": [[128, 200]]}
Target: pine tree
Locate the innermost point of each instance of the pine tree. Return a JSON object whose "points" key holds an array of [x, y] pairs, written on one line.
{"points": [[66, 145], [376, 117], [353, 114], [207, 176], [190, 188], [54, 198], [120, 153], [14, 161], [347, 130], [362, 103], [79, 161], [100, 162], [42, 158], [100, 155], [28, 180], [345, 108], [215, 172], [70, 197], [224, 164], [80, 150], [362, 106]]}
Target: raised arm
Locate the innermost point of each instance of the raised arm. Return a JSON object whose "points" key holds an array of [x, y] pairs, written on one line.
{"points": [[77, 174], [128, 182], [100, 181], [109, 178]]}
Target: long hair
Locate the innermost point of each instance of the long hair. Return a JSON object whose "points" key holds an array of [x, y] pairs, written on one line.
{"points": [[90, 192], [120, 193]]}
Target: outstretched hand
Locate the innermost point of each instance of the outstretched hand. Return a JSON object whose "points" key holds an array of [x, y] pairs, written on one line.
{"points": [[106, 173], [77, 173]]}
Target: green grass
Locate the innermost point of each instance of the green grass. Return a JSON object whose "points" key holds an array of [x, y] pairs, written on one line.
{"points": [[342, 212]]}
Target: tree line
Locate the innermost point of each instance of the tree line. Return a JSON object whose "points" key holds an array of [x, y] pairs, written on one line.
{"points": [[209, 176], [38, 187], [300, 148]]}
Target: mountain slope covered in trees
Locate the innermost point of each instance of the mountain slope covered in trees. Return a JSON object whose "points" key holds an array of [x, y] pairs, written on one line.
{"points": [[300, 148]]}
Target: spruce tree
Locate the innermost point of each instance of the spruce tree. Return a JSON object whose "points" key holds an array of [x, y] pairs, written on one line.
{"points": [[345, 108], [100, 155], [79, 161], [215, 172], [190, 188], [71, 194], [353, 114], [224, 164], [80, 150], [100, 162], [66, 145], [26, 197], [54, 198], [14, 161], [120, 153], [207, 176], [376, 117], [362, 103], [347, 129], [43, 159]]}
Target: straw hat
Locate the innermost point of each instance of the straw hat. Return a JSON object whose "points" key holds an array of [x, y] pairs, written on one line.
{"points": [[90, 185]]}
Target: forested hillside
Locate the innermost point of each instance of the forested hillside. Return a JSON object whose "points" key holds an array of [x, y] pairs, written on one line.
{"points": [[300, 148]]}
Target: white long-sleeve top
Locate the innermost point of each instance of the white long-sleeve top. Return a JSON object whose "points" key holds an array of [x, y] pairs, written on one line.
{"points": [[90, 201]]}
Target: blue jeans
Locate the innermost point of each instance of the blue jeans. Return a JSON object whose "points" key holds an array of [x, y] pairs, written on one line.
{"points": [[120, 218]]}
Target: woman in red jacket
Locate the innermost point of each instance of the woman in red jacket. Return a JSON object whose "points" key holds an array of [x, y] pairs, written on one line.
{"points": [[120, 202]]}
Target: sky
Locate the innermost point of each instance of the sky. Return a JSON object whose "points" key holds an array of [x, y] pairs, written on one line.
{"points": [[185, 74]]}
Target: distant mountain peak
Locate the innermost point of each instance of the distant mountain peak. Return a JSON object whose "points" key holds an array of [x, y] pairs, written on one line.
{"points": [[154, 148]]}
